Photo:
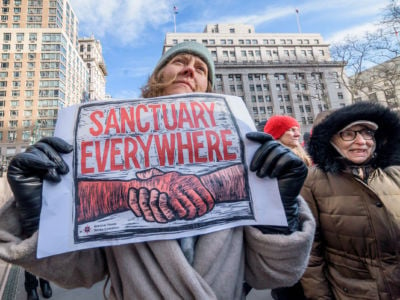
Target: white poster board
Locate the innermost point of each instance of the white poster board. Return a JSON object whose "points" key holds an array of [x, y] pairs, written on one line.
{"points": [[152, 169]]}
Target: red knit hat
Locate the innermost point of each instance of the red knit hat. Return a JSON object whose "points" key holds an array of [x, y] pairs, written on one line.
{"points": [[278, 125]]}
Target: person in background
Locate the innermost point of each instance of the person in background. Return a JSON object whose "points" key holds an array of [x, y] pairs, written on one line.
{"points": [[31, 284], [286, 130], [354, 194], [222, 261]]}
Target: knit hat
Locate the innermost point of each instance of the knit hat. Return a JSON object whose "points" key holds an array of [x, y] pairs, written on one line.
{"points": [[278, 125], [189, 47]]}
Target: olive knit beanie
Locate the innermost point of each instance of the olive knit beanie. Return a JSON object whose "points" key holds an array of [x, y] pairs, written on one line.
{"points": [[278, 125], [189, 47]]}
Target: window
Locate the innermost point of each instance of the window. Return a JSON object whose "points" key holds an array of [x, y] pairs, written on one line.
{"points": [[340, 95], [26, 123], [20, 37], [6, 47], [5, 56], [6, 37], [12, 136], [13, 123], [33, 37]]}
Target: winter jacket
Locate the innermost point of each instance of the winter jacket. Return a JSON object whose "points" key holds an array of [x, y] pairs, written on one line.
{"points": [[223, 260], [356, 249]]}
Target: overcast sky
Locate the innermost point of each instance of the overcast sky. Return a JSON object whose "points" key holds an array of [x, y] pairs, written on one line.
{"points": [[132, 31]]}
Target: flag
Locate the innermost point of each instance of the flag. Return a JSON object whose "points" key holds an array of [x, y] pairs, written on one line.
{"points": [[297, 11], [175, 10]]}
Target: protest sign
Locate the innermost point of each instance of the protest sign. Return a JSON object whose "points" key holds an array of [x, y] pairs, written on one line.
{"points": [[151, 169]]}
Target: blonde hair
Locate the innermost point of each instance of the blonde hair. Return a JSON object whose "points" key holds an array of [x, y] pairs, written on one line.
{"points": [[300, 152]]}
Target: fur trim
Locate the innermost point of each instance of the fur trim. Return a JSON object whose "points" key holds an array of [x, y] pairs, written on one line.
{"points": [[387, 136]]}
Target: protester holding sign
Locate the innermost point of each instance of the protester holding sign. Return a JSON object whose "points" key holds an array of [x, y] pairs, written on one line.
{"points": [[210, 266]]}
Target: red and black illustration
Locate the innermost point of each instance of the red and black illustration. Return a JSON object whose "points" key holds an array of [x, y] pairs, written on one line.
{"points": [[157, 165]]}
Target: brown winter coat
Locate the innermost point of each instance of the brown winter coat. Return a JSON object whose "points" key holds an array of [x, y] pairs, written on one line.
{"points": [[356, 250], [355, 254]]}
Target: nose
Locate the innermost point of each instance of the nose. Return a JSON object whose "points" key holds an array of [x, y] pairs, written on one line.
{"points": [[188, 70], [359, 138]]}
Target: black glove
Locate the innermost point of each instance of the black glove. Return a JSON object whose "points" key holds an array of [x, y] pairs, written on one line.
{"points": [[274, 160], [25, 175]]}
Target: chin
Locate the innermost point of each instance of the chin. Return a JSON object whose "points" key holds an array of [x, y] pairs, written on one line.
{"points": [[359, 160]]}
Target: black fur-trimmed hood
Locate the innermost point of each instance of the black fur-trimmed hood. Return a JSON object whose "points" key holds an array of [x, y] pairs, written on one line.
{"points": [[387, 136]]}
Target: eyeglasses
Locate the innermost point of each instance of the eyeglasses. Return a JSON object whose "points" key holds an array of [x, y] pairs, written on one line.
{"points": [[350, 135]]}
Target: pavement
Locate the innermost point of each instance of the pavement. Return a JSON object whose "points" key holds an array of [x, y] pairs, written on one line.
{"points": [[12, 277]]}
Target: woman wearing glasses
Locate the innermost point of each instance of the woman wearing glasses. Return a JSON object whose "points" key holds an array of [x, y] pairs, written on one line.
{"points": [[354, 194]]}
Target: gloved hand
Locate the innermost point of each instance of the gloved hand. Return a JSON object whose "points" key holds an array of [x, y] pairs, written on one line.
{"points": [[25, 175], [274, 160]]}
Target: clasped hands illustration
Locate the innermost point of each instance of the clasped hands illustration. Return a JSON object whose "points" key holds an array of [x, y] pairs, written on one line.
{"points": [[164, 197]]}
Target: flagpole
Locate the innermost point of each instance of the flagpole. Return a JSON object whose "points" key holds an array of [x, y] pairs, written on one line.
{"points": [[175, 12], [174, 22], [298, 21]]}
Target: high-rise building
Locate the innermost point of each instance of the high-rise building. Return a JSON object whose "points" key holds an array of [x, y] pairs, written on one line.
{"points": [[274, 73], [40, 69], [91, 52]]}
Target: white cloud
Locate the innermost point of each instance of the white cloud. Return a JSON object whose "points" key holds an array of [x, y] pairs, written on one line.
{"points": [[356, 31], [124, 20]]}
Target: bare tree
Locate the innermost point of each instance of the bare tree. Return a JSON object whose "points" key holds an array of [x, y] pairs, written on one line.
{"points": [[368, 52]]}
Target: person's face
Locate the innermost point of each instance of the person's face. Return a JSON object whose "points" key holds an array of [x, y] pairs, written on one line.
{"points": [[291, 137], [190, 73], [358, 150]]}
